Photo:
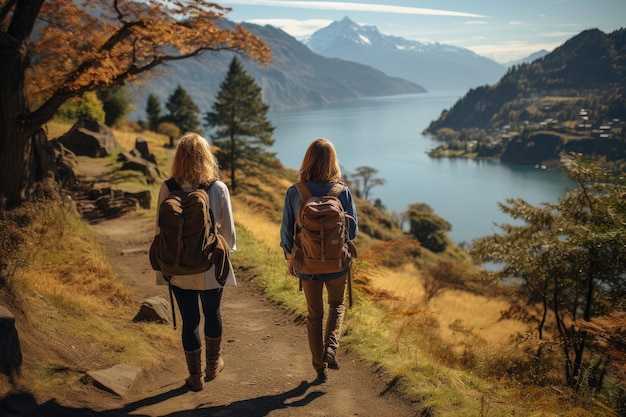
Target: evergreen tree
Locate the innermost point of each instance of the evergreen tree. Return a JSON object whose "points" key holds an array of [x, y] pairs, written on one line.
{"points": [[240, 116], [569, 260], [53, 51], [183, 110], [115, 103], [153, 110]]}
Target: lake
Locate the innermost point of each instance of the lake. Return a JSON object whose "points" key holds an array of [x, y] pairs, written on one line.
{"points": [[385, 133]]}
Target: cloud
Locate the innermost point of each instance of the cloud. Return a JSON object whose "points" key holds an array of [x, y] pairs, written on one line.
{"points": [[356, 7], [510, 51], [296, 28], [565, 35]]}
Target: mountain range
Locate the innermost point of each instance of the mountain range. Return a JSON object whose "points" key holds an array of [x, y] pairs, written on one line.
{"points": [[296, 77], [572, 99], [433, 65], [344, 61], [530, 58]]}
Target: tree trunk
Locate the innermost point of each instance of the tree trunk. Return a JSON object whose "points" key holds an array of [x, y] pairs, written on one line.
{"points": [[18, 161], [232, 163], [14, 144]]}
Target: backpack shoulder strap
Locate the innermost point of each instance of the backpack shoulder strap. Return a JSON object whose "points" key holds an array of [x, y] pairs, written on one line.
{"points": [[208, 185], [305, 193], [303, 190], [206, 188], [172, 184], [336, 189]]}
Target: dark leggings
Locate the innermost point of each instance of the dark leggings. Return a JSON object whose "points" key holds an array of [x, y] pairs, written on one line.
{"points": [[187, 301]]}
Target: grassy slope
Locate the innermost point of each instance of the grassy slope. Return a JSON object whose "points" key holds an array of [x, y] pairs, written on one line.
{"points": [[451, 354]]}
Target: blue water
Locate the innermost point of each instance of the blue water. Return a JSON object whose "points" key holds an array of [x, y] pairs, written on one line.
{"points": [[385, 133]]}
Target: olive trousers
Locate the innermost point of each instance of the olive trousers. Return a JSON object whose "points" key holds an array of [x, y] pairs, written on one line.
{"points": [[318, 336]]}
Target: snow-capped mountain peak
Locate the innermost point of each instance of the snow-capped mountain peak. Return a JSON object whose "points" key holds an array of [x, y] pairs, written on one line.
{"points": [[347, 33], [430, 64]]}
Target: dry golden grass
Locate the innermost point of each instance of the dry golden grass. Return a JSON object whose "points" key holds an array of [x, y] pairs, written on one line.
{"points": [[65, 293], [403, 284], [393, 253], [265, 230], [476, 314], [72, 310], [459, 313], [56, 129], [452, 352]]}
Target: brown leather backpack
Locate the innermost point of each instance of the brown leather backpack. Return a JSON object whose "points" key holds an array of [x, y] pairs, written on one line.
{"points": [[188, 242], [322, 242]]}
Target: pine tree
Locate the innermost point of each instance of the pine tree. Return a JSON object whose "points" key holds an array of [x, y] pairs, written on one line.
{"points": [[183, 110], [240, 116], [115, 103], [153, 110], [569, 260]]}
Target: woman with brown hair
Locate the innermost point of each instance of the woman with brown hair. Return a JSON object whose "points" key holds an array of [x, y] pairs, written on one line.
{"points": [[194, 167], [320, 173]]}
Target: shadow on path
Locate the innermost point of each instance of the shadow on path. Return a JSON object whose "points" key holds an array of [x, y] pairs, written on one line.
{"points": [[22, 405]]}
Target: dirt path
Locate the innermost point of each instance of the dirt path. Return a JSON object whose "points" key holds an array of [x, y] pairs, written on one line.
{"points": [[268, 369]]}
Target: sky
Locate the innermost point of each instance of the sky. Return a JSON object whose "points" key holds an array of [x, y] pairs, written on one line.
{"points": [[503, 30]]}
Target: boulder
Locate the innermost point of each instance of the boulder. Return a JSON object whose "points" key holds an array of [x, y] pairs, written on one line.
{"points": [[142, 147], [65, 162], [112, 207], [143, 198], [133, 161], [50, 168], [117, 380], [154, 309], [10, 351], [90, 138]]}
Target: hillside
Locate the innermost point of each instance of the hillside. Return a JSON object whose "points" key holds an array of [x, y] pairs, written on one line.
{"points": [[433, 65], [296, 77], [423, 338], [571, 100]]}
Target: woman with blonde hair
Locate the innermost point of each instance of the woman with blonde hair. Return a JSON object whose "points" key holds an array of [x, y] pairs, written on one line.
{"points": [[194, 167], [320, 173]]}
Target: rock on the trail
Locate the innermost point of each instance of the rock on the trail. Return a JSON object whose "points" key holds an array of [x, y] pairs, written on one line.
{"points": [[117, 379], [10, 352], [154, 309], [90, 138]]}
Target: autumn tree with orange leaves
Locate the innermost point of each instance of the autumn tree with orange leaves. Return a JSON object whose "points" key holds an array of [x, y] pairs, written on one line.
{"points": [[54, 50]]}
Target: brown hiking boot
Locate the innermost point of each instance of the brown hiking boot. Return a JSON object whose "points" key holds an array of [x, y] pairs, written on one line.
{"points": [[322, 377], [214, 361], [194, 365], [330, 358]]}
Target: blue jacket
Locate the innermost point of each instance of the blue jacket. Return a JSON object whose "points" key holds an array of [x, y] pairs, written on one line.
{"points": [[290, 211]]}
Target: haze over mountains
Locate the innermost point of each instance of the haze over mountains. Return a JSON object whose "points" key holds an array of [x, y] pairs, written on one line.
{"points": [[530, 58], [435, 66], [296, 77], [341, 62]]}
